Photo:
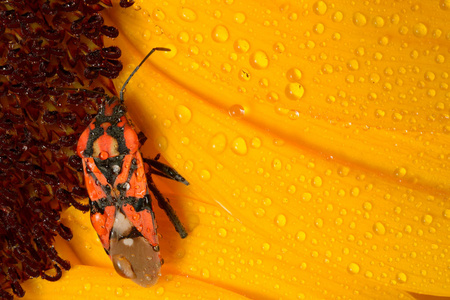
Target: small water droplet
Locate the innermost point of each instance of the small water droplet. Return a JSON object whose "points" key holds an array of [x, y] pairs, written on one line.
{"points": [[280, 220], [188, 15], [301, 236], [236, 111], [420, 30], [222, 232], [241, 46], [158, 14], [218, 142], [320, 8], [205, 175], [260, 212], [220, 34], [353, 268], [427, 219], [294, 91], [159, 291], [239, 17], [173, 51], [378, 22], [266, 246], [259, 60], [162, 143], [353, 64], [239, 146], [359, 19], [183, 114], [401, 277], [317, 181], [338, 16], [379, 228]]}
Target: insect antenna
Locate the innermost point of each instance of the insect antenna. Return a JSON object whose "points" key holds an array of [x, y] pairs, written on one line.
{"points": [[137, 68]]}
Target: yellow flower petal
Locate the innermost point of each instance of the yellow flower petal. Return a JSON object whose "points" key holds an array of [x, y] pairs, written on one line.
{"points": [[321, 127]]}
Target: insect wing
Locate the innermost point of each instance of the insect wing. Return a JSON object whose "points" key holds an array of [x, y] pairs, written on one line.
{"points": [[132, 255]]}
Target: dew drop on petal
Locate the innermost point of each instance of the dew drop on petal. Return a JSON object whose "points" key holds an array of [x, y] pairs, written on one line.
{"points": [[379, 228], [218, 142], [320, 8], [241, 46], [236, 111], [183, 114], [294, 91], [401, 277], [188, 15], [239, 17], [220, 34], [239, 146], [222, 232], [420, 30], [359, 19], [280, 220], [259, 60], [353, 268]]}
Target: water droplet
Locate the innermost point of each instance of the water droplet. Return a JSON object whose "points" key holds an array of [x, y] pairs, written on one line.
{"points": [[259, 60], [236, 111], [239, 146], [87, 286], [222, 232], [444, 4], [353, 268], [245, 75], [256, 142], [241, 46], [205, 175], [158, 14], [379, 228], [378, 22], [338, 16], [220, 34], [281, 220], [187, 14], [173, 51], [205, 273], [301, 236], [266, 246], [159, 291], [427, 219], [420, 30], [260, 212], [183, 114], [239, 18], [319, 28], [359, 19], [317, 181], [446, 213], [294, 91], [401, 277], [119, 291], [400, 172], [218, 142], [353, 64], [276, 164], [162, 143], [279, 47], [319, 223], [183, 37], [320, 7]]}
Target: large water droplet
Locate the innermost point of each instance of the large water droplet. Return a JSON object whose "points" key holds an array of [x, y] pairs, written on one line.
{"points": [[188, 15], [183, 114]]}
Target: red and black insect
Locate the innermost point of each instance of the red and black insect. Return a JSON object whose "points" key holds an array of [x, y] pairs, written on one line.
{"points": [[118, 188]]}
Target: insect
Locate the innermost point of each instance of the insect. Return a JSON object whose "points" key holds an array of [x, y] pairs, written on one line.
{"points": [[119, 191]]}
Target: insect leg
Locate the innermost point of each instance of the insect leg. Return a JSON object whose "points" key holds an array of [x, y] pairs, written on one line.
{"points": [[163, 170], [164, 204]]}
